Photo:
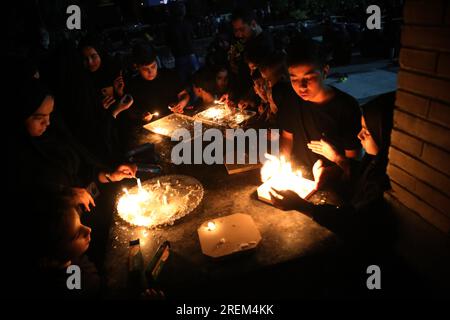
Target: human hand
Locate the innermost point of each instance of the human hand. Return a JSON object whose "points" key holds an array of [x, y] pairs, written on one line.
{"points": [[288, 200], [108, 101], [324, 149], [119, 85], [124, 171], [318, 170], [123, 105], [80, 196]]}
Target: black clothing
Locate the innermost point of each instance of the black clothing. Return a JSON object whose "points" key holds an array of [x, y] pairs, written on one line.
{"points": [[366, 217], [53, 282], [80, 103], [104, 77], [337, 121], [149, 96]]}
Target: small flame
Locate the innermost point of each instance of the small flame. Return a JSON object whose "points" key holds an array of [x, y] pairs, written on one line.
{"points": [[211, 226]]}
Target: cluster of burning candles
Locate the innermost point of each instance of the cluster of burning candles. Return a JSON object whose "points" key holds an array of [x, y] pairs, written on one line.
{"points": [[221, 112], [150, 206], [144, 207], [277, 173]]}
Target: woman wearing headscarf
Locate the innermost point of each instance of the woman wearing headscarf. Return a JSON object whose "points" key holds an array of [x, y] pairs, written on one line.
{"points": [[365, 214], [45, 157], [90, 112]]}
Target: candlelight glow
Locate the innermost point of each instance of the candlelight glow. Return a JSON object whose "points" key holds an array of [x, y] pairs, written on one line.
{"points": [[277, 173], [216, 113], [220, 114], [211, 226], [162, 131], [159, 201]]}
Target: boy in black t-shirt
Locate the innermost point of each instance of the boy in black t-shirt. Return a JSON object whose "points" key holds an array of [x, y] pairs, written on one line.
{"points": [[317, 112]]}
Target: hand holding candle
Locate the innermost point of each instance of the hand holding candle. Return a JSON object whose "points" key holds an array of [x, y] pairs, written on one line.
{"points": [[124, 171]]}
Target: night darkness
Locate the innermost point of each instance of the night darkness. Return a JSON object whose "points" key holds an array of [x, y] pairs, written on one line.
{"points": [[138, 138]]}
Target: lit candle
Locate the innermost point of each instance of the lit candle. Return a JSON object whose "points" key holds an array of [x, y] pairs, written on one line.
{"points": [[211, 226], [164, 198], [126, 191], [139, 184]]}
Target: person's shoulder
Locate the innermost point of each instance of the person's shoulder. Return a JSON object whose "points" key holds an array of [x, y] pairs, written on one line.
{"points": [[344, 99]]}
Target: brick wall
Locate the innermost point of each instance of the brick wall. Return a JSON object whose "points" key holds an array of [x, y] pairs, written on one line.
{"points": [[419, 157]]}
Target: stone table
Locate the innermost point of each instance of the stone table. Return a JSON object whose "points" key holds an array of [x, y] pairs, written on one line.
{"points": [[286, 235]]}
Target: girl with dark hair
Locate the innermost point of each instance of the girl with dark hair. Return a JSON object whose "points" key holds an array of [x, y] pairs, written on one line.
{"points": [[89, 113], [48, 158], [60, 240], [106, 74]]}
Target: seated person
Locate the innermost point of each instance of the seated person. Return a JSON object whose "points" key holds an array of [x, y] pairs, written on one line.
{"points": [[317, 111], [267, 110], [60, 240], [153, 90], [252, 43], [47, 158], [90, 114], [106, 74], [362, 216], [222, 81], [273, 69], [202, 92]]}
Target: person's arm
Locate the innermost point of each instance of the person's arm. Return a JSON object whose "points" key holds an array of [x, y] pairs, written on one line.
{"points": [[328, 151], [183, 99], [335, 218], [122, 172]]}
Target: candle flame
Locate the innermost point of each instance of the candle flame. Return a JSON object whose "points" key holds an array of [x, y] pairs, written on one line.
{"points": [[277, 173], [211, 226]]}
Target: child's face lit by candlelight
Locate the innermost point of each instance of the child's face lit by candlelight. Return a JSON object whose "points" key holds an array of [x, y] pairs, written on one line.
{"points": [[76, 236], [37, 123], [307, 80], [91, 59], [222, 80], [148, 72]]}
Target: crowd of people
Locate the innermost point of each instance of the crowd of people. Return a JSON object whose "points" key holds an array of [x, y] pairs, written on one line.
{"points": [[76, 111]]}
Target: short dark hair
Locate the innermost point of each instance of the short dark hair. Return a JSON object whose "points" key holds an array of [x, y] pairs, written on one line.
{"points": [[305, 51], [205, 79], [143, 54], [247, 15]]}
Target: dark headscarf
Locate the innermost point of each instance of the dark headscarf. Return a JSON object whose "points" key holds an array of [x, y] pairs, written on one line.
{"points": [[373, 181], [31, 95], [378, 115]]}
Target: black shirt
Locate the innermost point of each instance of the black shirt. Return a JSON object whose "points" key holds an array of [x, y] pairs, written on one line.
{"points": [[152, 95], [337, 121]]}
